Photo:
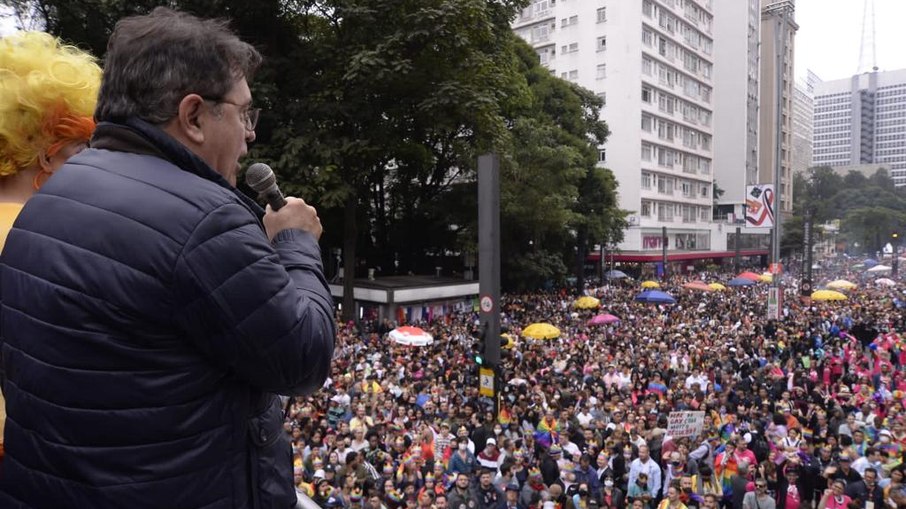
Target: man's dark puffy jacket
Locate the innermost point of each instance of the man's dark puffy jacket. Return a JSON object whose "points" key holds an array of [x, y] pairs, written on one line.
{"points": [[146, 321]]}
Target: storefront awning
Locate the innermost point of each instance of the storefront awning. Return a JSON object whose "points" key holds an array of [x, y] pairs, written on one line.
{"points": [[655, 256]]}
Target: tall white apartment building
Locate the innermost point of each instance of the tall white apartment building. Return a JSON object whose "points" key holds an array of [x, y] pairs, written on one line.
{"points": [[862, 120], [652, 61]]}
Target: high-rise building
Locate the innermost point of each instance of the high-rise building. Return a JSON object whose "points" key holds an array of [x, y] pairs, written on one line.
{"points": [[803, 118], [862, 120], [737, 73], [777, 28], [652, 61]]}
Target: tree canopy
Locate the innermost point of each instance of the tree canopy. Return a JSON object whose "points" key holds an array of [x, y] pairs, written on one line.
{"points": [[870, 209], [375, 111]]}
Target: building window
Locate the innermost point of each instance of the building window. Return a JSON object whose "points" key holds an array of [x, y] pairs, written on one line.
{"points": [[602, 155], [602, 14], [646, 152], [541, 33], [646, 66], [647, 122], [574, 75], [546, 55], [602, 71], [603, 97], [646, 95], [571, 48], [647, 37], [572, 20], [646, 181], [602, 43], [647, 9], [646, 208]]}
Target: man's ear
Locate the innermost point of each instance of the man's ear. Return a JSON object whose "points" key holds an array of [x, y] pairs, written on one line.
{"points": [[190, 118]]}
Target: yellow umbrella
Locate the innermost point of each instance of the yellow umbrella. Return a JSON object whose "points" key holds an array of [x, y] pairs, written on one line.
{"points": [[717, 286], [510, 341], [541, 331], [767, 277], [841, 284], [587, 302], [650, 284], [828, 295]]}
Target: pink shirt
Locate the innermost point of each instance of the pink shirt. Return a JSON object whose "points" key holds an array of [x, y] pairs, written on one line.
{"points": [[833, 503]]}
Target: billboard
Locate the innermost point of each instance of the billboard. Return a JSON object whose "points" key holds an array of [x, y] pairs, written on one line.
{"points": [[760, 206]]}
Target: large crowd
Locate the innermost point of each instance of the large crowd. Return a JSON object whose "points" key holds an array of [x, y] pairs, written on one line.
{"points": [[806, 411]]}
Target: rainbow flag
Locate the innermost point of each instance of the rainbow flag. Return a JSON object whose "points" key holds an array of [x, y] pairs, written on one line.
{"points": [[726, 431], [656, 388], [504, 417], [547, 432], [808, 434]]}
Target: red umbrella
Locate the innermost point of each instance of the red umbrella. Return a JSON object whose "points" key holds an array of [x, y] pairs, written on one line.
{"points": [[750, 275]]}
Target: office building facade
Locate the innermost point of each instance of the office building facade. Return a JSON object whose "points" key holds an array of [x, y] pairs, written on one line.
{"points": [[737, 71], [778, 27], [862, 120]]}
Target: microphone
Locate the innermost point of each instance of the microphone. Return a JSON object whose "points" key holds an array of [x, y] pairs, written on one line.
{"points": [[260, 177]]}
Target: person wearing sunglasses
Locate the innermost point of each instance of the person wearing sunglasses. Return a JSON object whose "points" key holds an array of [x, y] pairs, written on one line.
{"points": [[759, 499]]}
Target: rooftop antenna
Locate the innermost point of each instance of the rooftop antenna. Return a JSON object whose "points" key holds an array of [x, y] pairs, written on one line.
{"points": [[868, 39]]}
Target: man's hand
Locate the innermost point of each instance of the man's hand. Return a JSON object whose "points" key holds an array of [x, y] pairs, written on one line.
{"points": [[296, 214]]}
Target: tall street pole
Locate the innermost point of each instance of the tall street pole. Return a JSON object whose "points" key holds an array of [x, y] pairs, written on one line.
{"points": [[781, 9], [489, 273]]}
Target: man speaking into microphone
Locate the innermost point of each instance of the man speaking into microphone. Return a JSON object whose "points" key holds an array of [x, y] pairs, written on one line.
{"points": [[150, 311]]}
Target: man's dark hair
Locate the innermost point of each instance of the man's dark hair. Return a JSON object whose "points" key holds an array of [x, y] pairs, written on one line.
{"points": [[154, 61]]}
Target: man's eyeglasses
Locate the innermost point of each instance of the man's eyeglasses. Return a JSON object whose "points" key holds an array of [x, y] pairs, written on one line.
{"points": [[249, 115], [761, 485]]}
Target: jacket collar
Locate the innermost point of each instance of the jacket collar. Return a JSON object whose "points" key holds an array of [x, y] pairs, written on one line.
{"points": [[139, 137]]}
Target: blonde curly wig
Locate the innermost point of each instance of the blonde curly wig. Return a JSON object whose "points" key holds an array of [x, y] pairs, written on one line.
{"points": [[48, 92]]}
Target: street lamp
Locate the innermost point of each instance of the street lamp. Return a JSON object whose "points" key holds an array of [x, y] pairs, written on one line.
{"points": [[896, 257]]}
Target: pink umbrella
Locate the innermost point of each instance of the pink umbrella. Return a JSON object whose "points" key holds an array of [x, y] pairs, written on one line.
{"points": [[605, 319]]}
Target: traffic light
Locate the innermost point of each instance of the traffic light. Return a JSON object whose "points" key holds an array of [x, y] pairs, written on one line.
{"points": [[478, 352]]}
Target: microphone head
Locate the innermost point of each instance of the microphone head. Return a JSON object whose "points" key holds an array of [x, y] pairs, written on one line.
{"points": [[260, 177]]}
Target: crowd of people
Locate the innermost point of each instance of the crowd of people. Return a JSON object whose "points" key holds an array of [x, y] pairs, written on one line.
{"points": [[805, 411]]}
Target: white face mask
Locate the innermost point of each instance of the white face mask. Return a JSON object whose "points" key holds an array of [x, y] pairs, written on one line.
{"points": [[463, 447], [608, 483]]}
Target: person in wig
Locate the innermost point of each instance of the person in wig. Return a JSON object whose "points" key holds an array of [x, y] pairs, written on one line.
{"points": [[48, 92]]}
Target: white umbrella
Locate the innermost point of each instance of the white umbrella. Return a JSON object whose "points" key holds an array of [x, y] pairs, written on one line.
{"points": [[879, 269], [411, 336], [884, 281]]}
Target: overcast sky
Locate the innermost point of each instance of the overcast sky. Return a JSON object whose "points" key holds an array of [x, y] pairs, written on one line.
{"points": [[830, 35]]}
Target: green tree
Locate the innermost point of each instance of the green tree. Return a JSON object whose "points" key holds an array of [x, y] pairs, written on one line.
{"points": [[397, 114], [873, 226], [555, 200]]}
